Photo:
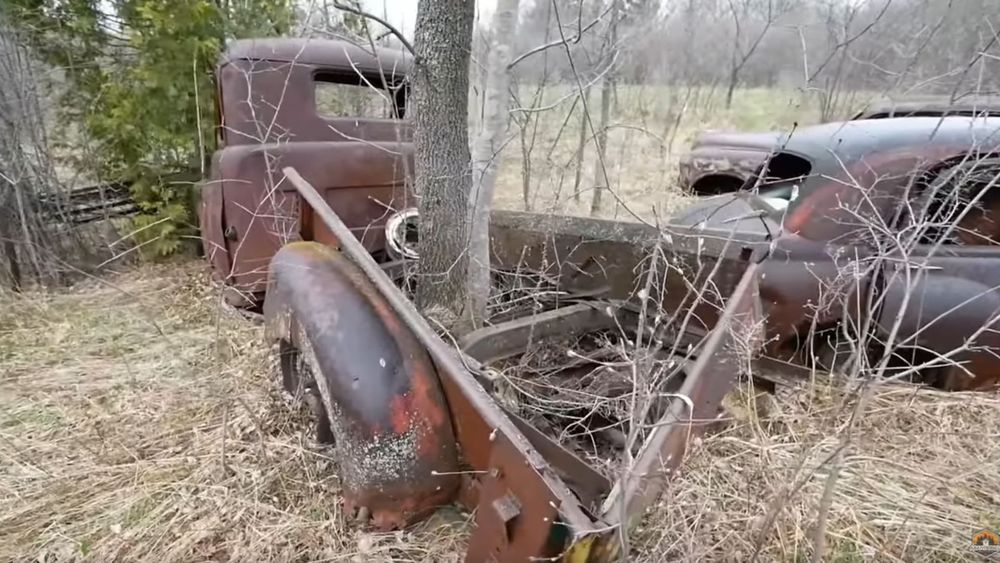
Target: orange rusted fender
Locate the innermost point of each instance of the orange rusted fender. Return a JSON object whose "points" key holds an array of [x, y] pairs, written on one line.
{"points": [[390, 421]]}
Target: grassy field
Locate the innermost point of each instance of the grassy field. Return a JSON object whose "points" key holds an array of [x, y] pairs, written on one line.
{"points": [[650, 128], [138, 422]]}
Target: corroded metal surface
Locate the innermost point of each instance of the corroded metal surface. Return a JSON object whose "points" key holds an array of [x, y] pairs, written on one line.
{"points": [[523, 508], [700, 266], [698, 404], [270, 119], [731, 158], [380, 390], [513, 337]]}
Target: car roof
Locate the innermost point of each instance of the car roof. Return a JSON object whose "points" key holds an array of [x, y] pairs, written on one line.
{"points": [[940, 105], [329, 53], [849, 141]]}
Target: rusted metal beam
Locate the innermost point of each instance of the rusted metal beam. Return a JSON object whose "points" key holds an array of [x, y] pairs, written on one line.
{"points": [[714, 374], [510, 338], [586, 482], [525, 510]]}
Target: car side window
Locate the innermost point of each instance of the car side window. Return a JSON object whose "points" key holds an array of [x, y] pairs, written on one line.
{"points": [[959, 206], [354, 96]]}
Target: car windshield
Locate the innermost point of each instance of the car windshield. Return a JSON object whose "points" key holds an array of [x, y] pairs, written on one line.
{"points": [[779, 197], [782, 177]]}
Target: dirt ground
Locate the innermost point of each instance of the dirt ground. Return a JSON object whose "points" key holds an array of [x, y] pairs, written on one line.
{"points": [[138, 422]]}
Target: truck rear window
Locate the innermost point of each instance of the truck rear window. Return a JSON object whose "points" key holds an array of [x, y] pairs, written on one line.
{"points": [[354, 96]]}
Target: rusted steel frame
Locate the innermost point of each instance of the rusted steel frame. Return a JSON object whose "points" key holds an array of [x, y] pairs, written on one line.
{"points": [[510, 338], [548, 303], [714, 374], [584, 480], [513, 472], [504, 340]]}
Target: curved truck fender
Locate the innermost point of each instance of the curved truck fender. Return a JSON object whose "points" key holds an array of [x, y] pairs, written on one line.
{"points": [[392, 426]]}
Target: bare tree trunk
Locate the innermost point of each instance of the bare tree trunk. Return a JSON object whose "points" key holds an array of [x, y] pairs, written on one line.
{"points": [[10, 251], [442, 41], [734, 77], [607, 91], [581, 150], [526, 164], [486, 152]]}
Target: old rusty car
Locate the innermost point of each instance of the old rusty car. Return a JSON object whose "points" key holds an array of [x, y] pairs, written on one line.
{"points": [[722, 161], [308, 211], [913, 194]]}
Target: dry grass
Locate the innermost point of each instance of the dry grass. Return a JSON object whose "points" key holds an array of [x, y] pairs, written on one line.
{"points": [[137, 423], [920, 478]]}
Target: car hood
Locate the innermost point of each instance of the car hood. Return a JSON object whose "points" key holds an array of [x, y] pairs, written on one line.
{"points": [[738, 212], [765, 141]]}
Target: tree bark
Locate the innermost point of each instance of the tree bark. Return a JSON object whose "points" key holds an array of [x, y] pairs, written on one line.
{"points": [[442, 41], [486, 152]]}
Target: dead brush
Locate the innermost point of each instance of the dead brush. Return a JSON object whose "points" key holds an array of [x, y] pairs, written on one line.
{"points": [[916, 484], [137, 423], [917, 481]]}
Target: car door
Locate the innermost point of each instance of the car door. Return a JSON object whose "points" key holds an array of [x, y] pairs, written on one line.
{"points": [[941, 294], [943, 303]]}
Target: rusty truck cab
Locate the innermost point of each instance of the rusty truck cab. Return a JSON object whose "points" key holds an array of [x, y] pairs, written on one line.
{"points": [[331, 109]]}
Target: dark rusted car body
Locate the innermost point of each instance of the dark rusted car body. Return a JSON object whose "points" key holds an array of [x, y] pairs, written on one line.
{"points": [[267, 96], [722, 161], [848, 180]]}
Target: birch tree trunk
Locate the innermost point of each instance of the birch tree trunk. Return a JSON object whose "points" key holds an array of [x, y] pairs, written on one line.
{"points": [[442, 41], [486, 150]]}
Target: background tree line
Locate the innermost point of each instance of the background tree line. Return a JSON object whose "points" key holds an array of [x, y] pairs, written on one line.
{"points": [[126, 85], [924, 46]]}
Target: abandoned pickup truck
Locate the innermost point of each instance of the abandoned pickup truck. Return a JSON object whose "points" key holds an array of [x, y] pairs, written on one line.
{"points": [[307, 211], [721, 162], [302, 210]]}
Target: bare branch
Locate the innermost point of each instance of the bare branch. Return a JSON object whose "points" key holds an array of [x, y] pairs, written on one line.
{"points": [[381, 21], [562, 41]]}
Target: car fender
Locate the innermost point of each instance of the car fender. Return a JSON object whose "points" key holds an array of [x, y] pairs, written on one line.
{"points": [[943, 312]]}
